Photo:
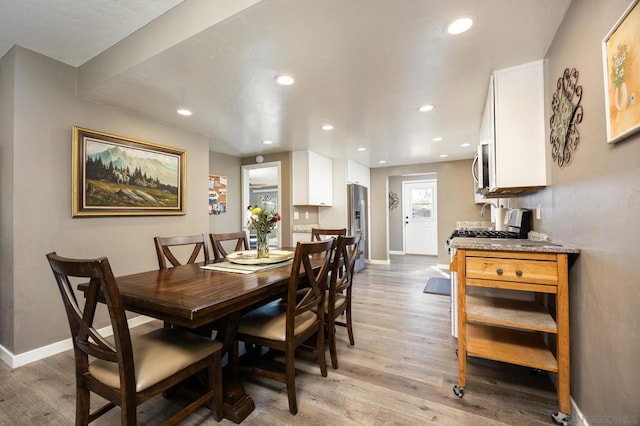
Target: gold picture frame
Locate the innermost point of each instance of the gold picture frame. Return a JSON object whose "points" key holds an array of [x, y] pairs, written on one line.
{"points": [[118, 176], [621, 65]]}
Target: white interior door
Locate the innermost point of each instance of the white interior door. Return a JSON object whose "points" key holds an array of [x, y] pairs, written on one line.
{"points": [[420, 217]]}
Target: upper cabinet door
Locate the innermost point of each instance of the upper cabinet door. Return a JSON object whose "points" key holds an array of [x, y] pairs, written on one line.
{"points": [[519, 126], [312, 183], [358, 173]]}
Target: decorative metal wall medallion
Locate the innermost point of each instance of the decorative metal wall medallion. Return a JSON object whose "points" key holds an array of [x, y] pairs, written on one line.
{"points": [[394, 200], [567, 114]]}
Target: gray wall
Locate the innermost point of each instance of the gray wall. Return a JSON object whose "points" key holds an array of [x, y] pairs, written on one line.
{"points": [[38, 151], [594, 204], [7, 76], [455, 202], [396, 242], [232, 220]]}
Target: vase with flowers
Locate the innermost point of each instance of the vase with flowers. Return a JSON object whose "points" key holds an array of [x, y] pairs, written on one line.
{"points": [[618, 75], [263, 219]]}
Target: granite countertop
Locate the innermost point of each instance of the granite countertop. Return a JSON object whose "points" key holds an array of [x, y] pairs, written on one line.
{"points": [[511, 245]]}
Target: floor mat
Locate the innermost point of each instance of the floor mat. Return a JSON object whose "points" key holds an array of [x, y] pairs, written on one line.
{"points": [[438, 286]]}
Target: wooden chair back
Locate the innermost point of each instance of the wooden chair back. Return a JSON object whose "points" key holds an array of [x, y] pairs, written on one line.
{"points": [[339, 296], [164, 251], [318, 234], [87, 341], [316, 281], [341, 279], [219, 252]]}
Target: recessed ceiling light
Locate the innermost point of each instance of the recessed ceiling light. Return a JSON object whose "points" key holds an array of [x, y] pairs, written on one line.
{"points": [[443, 155], [459, 26], [362, 148], [284, 80], [382, 161], [464, 145], [327, 127], [267, 142], [183, 111], [425, 108], [438, 139]]}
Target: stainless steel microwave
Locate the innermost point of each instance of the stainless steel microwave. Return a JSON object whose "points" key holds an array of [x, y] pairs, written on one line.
{"points": [[480, 169]]}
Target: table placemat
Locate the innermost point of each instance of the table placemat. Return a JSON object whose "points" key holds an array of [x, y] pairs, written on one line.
{"points": [[237, 268]]}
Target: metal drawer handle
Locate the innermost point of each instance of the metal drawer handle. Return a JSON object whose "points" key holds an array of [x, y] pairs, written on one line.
{"points": [[499, 271], [519, 272]]}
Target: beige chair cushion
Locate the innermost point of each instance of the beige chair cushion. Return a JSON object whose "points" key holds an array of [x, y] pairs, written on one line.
{"points": [[341, 299], [156, 356], [270, 321]]}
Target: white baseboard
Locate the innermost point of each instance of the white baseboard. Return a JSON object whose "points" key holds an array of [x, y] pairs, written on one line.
{"points": [[396, 252], [443, 266], [15, 361], [577, 418]]}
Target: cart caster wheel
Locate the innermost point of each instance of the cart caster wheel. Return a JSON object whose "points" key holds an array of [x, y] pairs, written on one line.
{"points": [[458, 391], [560, 418]]}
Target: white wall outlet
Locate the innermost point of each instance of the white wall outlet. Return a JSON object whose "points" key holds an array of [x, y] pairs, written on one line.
{"points": [[538, 212], [296, 215]]}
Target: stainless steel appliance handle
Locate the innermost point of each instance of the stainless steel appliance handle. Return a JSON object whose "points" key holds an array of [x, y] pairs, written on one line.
{"points": [[474, 170]]}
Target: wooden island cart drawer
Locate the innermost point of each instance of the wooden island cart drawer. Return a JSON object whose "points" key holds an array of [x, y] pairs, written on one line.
{"points": [[516, 270]]}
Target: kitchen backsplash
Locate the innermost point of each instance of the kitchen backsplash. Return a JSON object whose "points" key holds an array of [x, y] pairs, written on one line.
{"points": [[305, 215], [474, 224]]}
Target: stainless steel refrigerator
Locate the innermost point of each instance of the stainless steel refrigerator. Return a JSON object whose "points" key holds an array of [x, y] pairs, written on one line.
{"points": [[358, 220]]}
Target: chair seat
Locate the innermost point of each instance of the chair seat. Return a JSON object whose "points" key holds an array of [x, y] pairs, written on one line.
{"points": [[269, 322], [341, 299], [156, 356]]}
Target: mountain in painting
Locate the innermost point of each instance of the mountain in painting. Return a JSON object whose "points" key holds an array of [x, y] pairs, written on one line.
{"points": [[153, 168]]}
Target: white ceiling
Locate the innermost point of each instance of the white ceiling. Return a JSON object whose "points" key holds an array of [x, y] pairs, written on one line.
{"points": [[362, 65]]}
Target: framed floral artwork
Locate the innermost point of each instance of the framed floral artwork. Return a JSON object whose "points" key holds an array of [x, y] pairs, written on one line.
{"points": [[118, 176], [621, 66]]}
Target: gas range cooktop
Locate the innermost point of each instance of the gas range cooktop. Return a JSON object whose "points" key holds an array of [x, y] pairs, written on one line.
{"points": [[485, 233]]}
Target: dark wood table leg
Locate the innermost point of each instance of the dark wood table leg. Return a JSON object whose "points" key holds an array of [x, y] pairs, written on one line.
{"points": [[237, 404]]}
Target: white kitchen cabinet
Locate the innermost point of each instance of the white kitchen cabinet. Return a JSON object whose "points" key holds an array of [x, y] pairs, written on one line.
{"points": [[312, 182], [513, 128], [358, 173]]}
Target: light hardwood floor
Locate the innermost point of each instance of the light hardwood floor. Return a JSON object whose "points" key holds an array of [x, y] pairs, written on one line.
{"points": [[400, 372]]}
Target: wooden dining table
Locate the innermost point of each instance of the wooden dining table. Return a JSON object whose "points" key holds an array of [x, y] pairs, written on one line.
{"points": [[200, 299]]}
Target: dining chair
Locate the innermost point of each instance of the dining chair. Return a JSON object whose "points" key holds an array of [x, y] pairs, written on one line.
{"points": [[283, 327], [339, 293], [165, 247], [219, 252], [318, 234], [130, 370]]}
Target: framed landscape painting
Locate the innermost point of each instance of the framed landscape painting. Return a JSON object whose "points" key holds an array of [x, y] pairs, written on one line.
{"points": [[118, 176], [621, 65]]}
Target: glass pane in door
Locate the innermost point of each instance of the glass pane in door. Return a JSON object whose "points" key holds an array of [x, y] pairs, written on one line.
{"points": [[422, 204]]}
